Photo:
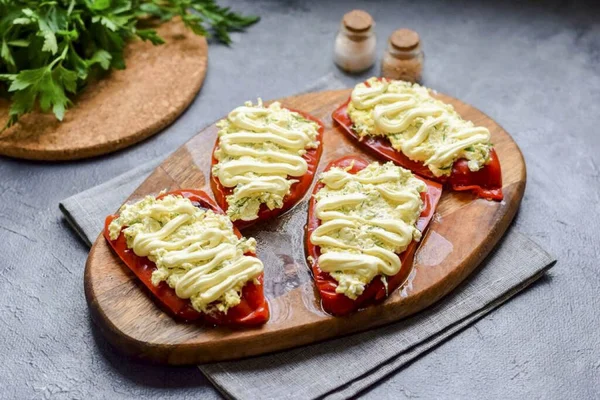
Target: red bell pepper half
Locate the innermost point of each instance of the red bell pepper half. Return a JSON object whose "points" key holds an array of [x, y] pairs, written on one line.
{"points": [[337, 303], [253, 309], [297, 190], [485, 183]]}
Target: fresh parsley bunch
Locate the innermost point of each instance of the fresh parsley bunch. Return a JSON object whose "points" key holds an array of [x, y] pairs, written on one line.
{"points": [[49, 49]]}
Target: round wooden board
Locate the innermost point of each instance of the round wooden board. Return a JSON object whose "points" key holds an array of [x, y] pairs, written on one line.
{"points": [[462, 233], [124, 108]]}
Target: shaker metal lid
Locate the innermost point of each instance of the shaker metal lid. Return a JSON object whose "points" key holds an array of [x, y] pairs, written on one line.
{"points": [[357, 21], [404, 39]]}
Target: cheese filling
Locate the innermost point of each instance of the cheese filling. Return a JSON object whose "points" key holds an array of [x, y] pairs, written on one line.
{"points": [[421, 127], [367, 219], [195, 250], [259, 149]]}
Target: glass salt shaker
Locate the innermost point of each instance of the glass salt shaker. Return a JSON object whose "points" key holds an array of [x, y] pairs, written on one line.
{"points": [[403, 59], [355, 42]]}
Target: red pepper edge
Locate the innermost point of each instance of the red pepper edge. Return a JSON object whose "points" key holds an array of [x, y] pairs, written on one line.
{"points": [[253, 309], [485, 183], [297, 190], [338, 304]]}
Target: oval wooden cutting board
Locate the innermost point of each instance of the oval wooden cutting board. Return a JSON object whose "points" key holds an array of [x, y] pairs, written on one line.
{"points": [[462, 233], [120, 110]]}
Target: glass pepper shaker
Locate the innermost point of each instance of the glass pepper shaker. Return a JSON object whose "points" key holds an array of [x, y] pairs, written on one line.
{"points": [[403, 59], [354, 49]]}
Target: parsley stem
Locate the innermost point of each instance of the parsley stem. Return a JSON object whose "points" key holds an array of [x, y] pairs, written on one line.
{"points": [[59, 58], [71, 6]]}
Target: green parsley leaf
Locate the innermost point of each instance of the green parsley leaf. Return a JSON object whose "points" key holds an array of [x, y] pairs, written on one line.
{"points": [[150, 35], [6, 54], [100, 57], [49, 49]]}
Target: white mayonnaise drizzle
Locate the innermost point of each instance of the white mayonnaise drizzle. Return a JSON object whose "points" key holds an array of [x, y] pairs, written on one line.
{"points": [[367, 219], [421, 127], [259, 148], [195, 250]]}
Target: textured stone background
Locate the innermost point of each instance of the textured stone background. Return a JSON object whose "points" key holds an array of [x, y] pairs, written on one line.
{"points": [[533, 66]]}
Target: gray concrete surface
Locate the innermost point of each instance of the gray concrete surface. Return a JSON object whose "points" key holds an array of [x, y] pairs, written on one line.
{"points": [[533, 66]]}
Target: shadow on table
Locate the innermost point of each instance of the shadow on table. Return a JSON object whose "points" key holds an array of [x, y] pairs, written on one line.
{"points": [[145, 373]]}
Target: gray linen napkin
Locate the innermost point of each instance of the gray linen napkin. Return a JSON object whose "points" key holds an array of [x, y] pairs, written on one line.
{"points": [[359, 360], [338, 369]]}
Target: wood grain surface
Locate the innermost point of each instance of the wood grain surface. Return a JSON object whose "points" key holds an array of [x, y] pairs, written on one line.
{"points": [[462, 233], [120, 110]]}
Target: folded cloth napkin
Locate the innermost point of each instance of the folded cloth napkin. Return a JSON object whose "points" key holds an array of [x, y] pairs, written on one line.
{"points": [[513, 265]]}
